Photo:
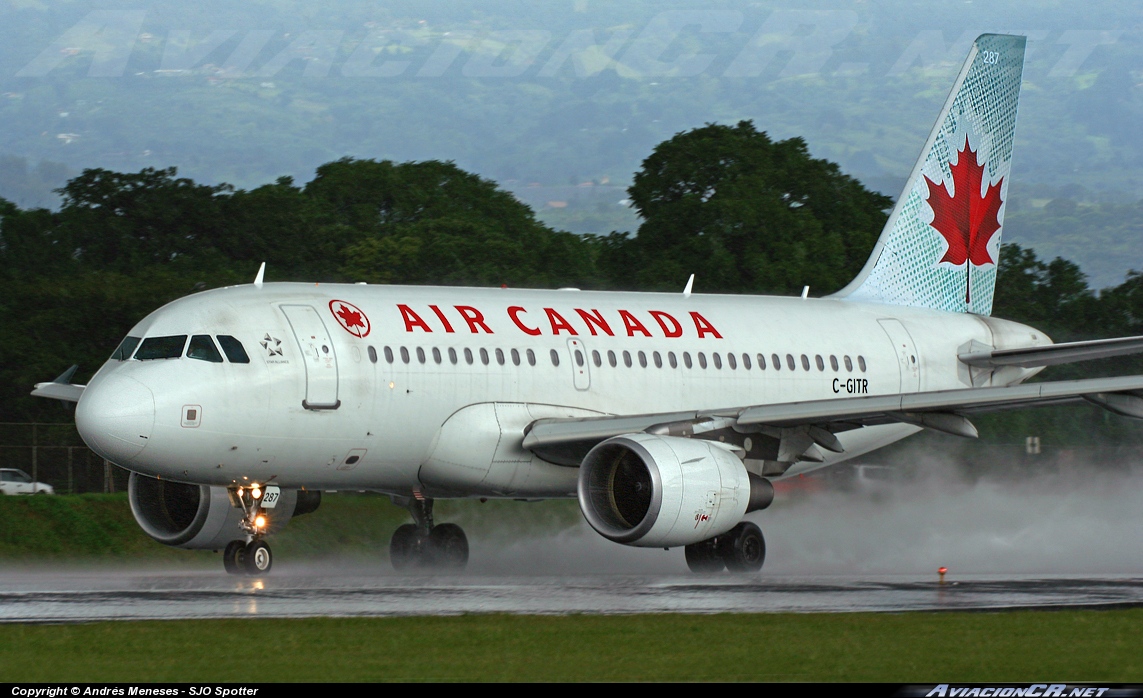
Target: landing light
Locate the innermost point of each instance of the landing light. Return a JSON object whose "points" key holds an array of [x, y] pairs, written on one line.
{"points": [[260, 522], [256, 492]]}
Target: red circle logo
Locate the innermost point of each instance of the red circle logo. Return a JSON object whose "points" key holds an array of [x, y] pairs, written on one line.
{"points": [[350, 317]]}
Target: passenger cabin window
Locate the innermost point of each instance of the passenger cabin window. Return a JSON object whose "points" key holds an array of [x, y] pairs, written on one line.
{"points": [[233, 349], [848, 363], [820, 363], [500, 356], [643, 359], [717, 360], [555, 357], [484, 356], [776, 362], [372, 354], [596, 358], [687, 359], [731, 362], [861, 363], [468, 356], [515, 357], [671, 358], [790, 362], [161, 348], [531, 358], [388, 355], [611, 359], [123, 352], [404, 354], [805, 363], [202, 347], [436, 355], [702, 360], [452, 356], [833, 362], [746, 361]]}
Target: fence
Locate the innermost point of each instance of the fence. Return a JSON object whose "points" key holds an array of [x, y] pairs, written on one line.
{"points": [[54, 453]]}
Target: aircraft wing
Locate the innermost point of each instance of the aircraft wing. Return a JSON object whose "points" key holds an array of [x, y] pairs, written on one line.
{"points": [[943, 410], [1054, 354], [61, 388]]}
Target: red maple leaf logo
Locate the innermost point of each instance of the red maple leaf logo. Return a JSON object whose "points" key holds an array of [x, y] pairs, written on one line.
{"points": [[351, 318], [966, 220]]}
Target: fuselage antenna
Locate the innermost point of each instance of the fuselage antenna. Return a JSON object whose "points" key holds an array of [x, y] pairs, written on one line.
{"points": [[690, 285], [261, 273]]}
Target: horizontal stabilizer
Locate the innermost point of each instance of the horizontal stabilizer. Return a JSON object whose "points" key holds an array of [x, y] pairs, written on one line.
{"points": [[1052, 354]]}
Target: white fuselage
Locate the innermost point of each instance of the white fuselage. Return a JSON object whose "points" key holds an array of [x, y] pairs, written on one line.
{"points": [[353, 386]]}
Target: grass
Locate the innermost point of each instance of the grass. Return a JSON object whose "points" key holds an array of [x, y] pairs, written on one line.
{"points": [[99, 527], [1093, 646]]}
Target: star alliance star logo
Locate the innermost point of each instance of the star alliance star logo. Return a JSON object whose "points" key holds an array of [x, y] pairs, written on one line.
{"points": [[272, 345]]}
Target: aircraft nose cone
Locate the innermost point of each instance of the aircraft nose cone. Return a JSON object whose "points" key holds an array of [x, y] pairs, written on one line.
{"points": [[115, 418]]}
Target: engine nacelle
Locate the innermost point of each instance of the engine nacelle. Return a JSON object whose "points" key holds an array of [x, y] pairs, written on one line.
{"points": [[661, 491], [202, 517]]}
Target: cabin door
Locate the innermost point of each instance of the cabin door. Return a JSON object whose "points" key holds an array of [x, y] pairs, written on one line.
{"points": [[318, 356]]}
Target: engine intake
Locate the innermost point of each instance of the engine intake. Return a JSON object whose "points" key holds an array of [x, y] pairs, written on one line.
{"points": [[201, 517], [648, 490]]}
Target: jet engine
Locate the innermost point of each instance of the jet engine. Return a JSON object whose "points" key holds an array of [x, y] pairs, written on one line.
{"points": [[652, 491], [202, 517]]}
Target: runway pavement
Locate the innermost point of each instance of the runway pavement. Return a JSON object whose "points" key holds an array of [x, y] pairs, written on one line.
{"points": [[84, 595]]}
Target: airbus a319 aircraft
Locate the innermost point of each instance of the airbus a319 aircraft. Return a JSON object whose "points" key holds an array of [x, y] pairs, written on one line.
{"points": [[666, 415]]}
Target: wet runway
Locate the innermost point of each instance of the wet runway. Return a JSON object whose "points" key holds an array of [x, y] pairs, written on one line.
{"points": [[62, 596]]}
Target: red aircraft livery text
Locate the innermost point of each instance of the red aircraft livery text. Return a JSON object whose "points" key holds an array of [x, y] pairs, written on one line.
{"points": [[549, 321]]}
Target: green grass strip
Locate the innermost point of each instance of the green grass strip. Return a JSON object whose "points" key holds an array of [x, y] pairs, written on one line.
{"points": [[1103, 646]]}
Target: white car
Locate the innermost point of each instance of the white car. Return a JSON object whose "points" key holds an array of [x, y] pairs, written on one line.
{"points": [[13, 481]]}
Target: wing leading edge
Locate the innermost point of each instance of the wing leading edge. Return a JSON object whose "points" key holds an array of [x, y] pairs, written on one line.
{"points": [[819, 420]]}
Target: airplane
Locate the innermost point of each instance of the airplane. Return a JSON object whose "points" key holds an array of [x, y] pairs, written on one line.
{"points": [[667, 416]]}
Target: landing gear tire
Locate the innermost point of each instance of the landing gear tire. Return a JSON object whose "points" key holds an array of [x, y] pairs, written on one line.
{"points": [[234, 557], [258, 558], [742, 548], [448, 547], [704, 558], [406, 546]]}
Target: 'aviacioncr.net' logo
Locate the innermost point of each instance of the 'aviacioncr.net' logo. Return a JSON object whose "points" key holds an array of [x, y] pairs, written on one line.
{"points": [[350, 317]]}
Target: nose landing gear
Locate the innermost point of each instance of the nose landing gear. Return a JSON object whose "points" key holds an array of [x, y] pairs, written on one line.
{"points": [[425, 544], [251, 556]]}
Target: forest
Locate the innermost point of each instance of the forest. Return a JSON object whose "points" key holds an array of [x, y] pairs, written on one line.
{"points": [[744, 212]]}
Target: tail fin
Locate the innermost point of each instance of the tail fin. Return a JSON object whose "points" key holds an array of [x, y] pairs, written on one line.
{"points": [[941, 244]]}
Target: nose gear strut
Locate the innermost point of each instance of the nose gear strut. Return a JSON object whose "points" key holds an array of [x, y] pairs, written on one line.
{"points": [[251, 556]]}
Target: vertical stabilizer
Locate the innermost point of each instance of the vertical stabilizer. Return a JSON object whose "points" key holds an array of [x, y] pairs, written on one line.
{"points": [[941, 244]]}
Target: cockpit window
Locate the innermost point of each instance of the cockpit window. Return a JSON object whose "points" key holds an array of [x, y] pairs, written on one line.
{"points": [[125, 348], [233, 349], [161, 347], [202, 348]]}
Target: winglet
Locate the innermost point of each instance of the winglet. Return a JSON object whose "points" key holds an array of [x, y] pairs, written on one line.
{"points": [[690, 285], [61, 388], [261, 273], [67, 375]]}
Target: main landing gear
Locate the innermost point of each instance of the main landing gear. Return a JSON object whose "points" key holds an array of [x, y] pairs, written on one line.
{"points": [[251, 556], [423, 544], [741, 549]]}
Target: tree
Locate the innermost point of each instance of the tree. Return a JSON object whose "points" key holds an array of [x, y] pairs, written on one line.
{"points": [[744, 213]]}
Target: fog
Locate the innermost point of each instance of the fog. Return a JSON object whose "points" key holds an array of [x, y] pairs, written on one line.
{"points": [[1087, 520]]}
